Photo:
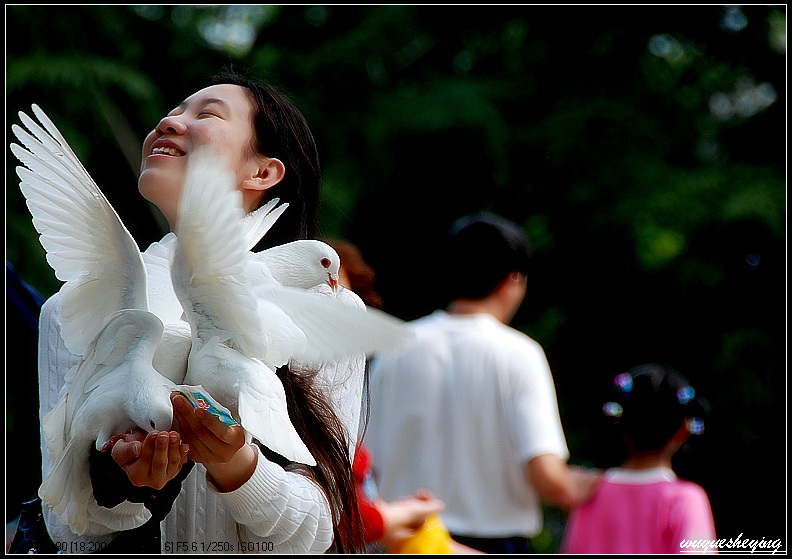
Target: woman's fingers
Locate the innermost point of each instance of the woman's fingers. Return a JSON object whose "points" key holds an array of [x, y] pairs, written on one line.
{"points": [[153, 461], [149, 444], [175, 457], [166, 460], [159, 460], [209, 438], [124, 452]]}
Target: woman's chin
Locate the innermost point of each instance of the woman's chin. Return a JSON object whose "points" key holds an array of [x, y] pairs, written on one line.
{"points": [[159, 189]]}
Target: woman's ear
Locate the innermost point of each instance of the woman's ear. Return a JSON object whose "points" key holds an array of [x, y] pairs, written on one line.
{"points": [[268, 174]]}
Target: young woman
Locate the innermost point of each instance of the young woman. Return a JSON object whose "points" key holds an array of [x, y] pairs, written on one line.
{"points": [[207, 489]]}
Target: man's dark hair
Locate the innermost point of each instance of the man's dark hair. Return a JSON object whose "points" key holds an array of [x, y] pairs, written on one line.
{"points": [[483, 249]]}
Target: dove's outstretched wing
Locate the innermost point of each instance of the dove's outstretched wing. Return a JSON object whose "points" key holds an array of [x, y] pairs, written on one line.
{"points": [[86, 242], [334, 330], [105, 321]]}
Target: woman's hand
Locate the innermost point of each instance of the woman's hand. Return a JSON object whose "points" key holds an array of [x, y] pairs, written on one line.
{"points": [[150, 459], [219, 447]]}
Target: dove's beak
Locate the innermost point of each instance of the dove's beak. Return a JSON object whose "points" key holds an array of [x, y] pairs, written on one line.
{"points": [[332, 281]]}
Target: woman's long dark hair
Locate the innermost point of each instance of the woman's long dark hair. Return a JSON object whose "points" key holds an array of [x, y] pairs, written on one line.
{"points": [[283, 133], [324, 435]]}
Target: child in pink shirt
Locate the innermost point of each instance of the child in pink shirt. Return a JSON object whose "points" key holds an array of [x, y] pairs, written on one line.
{"points": [[642, 507]]}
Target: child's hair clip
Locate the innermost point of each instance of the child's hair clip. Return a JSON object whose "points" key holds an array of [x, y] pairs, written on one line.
{"points": [[624, 381], [612, 409], [685, 394], [695, 426]]}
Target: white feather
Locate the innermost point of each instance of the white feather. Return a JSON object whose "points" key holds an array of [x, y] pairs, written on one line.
{"points": [[259, 221], [87, 245]]}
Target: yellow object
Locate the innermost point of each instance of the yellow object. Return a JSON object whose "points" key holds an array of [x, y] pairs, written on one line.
{"points": [[431, 538]]}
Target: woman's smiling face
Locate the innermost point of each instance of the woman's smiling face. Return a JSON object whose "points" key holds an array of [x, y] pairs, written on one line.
{"points": [[219, 115]]}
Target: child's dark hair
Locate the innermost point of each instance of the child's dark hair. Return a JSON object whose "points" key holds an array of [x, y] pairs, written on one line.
{"points": [[485, 249], [650, 404]]}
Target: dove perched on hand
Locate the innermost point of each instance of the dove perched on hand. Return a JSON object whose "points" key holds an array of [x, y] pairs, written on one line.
{"points": [[105, 320], [244, 322], [114, 389]]}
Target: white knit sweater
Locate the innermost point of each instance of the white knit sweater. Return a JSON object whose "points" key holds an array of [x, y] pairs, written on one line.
{"points": [[275, 511]]}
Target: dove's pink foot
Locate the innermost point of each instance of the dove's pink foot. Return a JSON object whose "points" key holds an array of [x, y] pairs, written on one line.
{"points": [[115, 438]]}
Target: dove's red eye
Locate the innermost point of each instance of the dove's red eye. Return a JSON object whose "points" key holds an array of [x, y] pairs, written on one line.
{"points": [[325, 262]]}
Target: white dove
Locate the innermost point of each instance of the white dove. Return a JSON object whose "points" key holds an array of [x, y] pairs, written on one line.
{"points": [[244, 322], [331, 329], [171, 356], [114, 389], [105, 320]]}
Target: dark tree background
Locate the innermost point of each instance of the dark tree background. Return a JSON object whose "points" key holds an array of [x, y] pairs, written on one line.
{"points": [[643, 148]]}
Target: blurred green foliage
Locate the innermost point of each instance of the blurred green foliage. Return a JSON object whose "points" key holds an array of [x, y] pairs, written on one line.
{"points": [[642, 147]]}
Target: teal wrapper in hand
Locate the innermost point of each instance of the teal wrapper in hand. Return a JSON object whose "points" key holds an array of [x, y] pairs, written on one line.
{"points": [[199, 398]]}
